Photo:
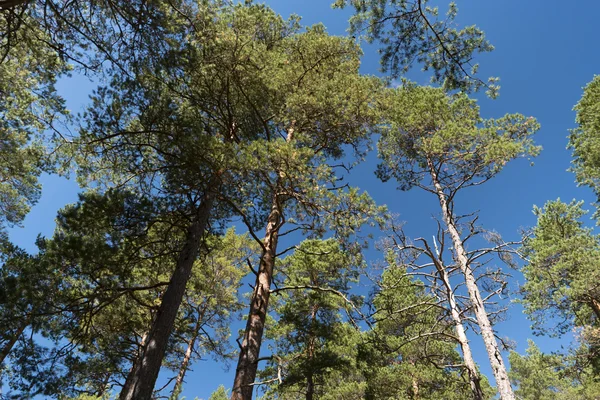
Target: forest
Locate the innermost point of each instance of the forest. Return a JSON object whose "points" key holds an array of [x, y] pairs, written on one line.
{"points": [[266, 207]]}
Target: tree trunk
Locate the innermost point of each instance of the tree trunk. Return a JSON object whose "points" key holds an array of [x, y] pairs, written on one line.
{"points": [[135, 363], [142, 377], [415, 385], [245, 372], [494, 355], [187, 357], [595, 304], [310, 384], [11, 343], [474, 378]]}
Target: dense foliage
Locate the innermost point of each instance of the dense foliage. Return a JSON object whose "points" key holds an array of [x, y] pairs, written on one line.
{"points": [[214, 155]]}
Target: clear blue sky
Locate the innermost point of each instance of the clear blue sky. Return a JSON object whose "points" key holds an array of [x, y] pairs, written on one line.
{"points": [[546, 51]]}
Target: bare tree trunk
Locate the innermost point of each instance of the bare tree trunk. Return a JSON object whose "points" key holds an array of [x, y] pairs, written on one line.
{"points": [[310, 387], [415, 385], [474, 378], [491, 345], [142, 377], [245, 372]]}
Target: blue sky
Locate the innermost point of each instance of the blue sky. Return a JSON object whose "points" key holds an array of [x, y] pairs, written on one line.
{"points": [[546, 51]]}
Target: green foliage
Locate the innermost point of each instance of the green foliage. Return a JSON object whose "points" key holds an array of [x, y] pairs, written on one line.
{"points": [[232, 100], [26, 285], [115, 254], [410, 353], [584, 139], [87, 397], [29, 105], [83, 32], [398, 358], [219, 394], [314, 349], [413, 32], [536, 375], [432, 131], [540, 376], [561, 270]]}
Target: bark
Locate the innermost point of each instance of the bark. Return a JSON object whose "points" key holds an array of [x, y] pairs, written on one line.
{"points": [[415, 385], [245, 372], [142, 377], [310, 387], [11, 343], [595, 304], [474, 378], [134, 366], [487, 333]]}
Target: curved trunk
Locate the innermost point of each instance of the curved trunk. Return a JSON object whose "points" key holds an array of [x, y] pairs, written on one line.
{"points": [[491, 345], [142, 377]]}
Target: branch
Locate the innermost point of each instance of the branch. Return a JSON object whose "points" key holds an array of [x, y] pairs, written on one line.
{"points": [[323, 289], [251, 268]]}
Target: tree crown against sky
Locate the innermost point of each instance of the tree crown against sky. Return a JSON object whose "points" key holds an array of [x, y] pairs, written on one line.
{"points": [[426, 124], [490, 149]]}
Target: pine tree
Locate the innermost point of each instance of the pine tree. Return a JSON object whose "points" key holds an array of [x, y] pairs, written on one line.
{"points": [[440, 144], [173, 132], [411, 352], [584, 139], [412, 31], [550, 376], [328, 106], [29, 105], [314, 346]]}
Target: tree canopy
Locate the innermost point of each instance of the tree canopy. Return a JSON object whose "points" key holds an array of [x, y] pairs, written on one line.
{"points": [[222, 214]]}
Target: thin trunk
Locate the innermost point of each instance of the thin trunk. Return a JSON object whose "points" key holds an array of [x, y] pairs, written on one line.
{"points": [[143, 377], [310, 384], [187, 356], [11, 343], [494, 355], [245, 372], [474, 378]]}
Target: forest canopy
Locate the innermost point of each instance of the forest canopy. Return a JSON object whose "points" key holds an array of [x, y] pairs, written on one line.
{"points": [[224, 217]]}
